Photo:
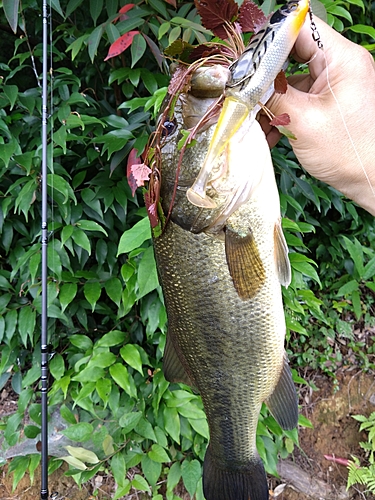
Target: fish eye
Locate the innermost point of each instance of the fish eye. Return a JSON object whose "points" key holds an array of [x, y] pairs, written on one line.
{"points": [[292, 6], [168, 128]]}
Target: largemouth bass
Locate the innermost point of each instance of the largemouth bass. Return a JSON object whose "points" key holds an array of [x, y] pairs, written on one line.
{"points": [[251, 81], [221, 283]]}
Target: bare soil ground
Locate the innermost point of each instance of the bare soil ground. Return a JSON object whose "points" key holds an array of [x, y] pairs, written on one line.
{"points": [[307, 476]]}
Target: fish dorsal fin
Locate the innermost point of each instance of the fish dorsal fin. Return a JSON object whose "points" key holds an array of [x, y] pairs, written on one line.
{"points": [[283, 402], [173, 369], [281, 256], [244, 263]]}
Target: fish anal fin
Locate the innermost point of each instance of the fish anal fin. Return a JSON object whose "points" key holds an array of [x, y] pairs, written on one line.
{"points": [[281, 256], [283, 402], [173, 369], [244, 263], [240, 483]]}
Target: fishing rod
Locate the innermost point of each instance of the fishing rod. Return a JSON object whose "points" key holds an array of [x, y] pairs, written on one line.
{"points": [[44, 243]]}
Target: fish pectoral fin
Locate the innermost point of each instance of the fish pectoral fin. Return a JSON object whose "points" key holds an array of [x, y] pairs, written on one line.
{"points": [[281, 256], [283, 402], [173, 369], [244, 263]]}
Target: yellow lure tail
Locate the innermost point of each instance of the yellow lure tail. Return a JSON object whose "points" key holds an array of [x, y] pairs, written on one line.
{"points": [[230, 120]]}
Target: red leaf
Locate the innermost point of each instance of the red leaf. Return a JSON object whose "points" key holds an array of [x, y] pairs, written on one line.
{"points": [[121, 44], [132, 160], [281, 83], [123, 12], [283, 120], [152, 198], [126, 8], [172, 2], [337, 460], [251, 17], [141, 173], [215, 13]]}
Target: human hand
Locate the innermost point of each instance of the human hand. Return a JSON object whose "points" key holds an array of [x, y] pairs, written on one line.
{"points": [[325, 138]]}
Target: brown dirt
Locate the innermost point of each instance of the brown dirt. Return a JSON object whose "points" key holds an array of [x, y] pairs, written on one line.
{"points": [[335, 433]]}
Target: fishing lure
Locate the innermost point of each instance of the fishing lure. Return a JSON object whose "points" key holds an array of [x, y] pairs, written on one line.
{"points": [[251, 82]]}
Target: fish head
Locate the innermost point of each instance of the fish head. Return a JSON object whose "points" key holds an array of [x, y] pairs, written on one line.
{"points": [[180, 167], [294, 12]]}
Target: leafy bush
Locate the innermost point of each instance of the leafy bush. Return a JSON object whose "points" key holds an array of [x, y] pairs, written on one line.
{"points": [[107, 321], [364, 474]]}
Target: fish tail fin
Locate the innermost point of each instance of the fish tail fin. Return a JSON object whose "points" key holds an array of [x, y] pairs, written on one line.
{"points": [[247, 483]]}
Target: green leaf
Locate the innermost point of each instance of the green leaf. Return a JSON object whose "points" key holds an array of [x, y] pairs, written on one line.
{"points": [[81, 239], [19, 467], [356, 253], [79, 432], [158, 454], [11, 13], [72, 6], [90, 225], [135, 237], [26, 324], [67, 415], [82, 454], [108, 445], [56, 5], [31, 431], [74, 462], [93, 41], [304, 421], [369, 270], [191, 473], [306, 269], [122, 378], [200, 426], [113, 287], [114, 141], [190, 410], [59, 184], [57, 366], [362, 28], [140, 483], [104, 388], [118, 468], [138, 47], [110, 339], [151, 469], [337, 10], [174, 476], [10, 324], [81, 341], [96, 7], [92, 292], [130, 355], [67, 293], [147, 277], [172, 423], [11, 91], [129, 421], [356, 301], [348, 288], [144, 428]]}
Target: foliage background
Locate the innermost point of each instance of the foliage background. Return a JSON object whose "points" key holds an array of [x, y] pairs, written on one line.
{"points": [[107, 321]]}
